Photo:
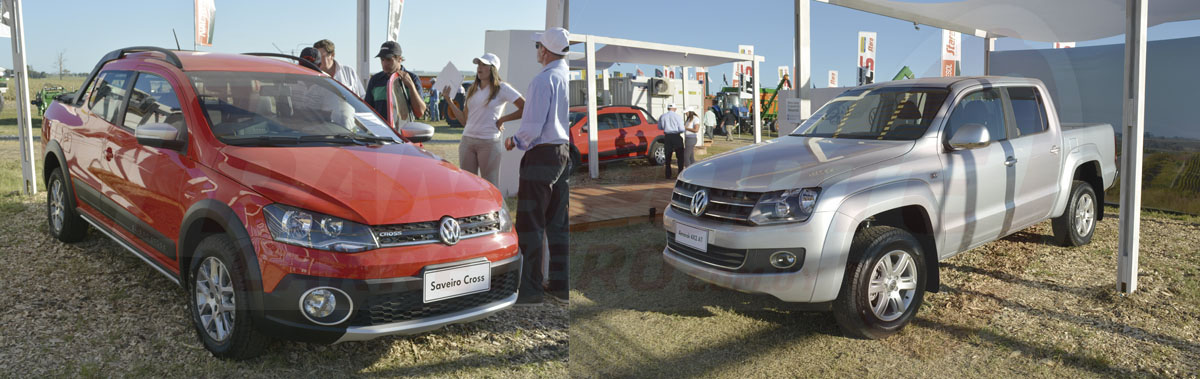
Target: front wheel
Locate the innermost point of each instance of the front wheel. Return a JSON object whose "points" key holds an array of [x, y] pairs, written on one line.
{"points": [[65, 224], [657, 155], [1078, 222], [884, 284], [220, 306]]}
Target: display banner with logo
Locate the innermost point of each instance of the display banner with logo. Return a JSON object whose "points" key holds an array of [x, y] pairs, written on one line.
{"points": [[951, 53], [866, 58], [833, 78], [206, 14], [744, 68], [395, 11]]}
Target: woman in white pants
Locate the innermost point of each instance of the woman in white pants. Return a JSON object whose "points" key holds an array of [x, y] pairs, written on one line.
{"points": [[479, 151], [691, 126]]}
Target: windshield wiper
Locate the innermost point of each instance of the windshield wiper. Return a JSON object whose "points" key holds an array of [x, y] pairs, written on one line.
{"points": [[347, 138], [263, 140]]}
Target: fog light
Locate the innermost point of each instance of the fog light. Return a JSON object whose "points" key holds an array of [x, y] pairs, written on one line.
{"points": [[782, 260], [326, 305]]}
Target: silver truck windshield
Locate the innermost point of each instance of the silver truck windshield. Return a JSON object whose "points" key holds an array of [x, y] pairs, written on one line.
{"points": [[254, 108], [876, 113]]}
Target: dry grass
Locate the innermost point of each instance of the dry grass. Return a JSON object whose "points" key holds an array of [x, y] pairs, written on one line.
{"points": [[1014, 307]]}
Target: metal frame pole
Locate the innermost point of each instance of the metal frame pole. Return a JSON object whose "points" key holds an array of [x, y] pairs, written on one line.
{"points": [[1134, 100], [757, 103], [24, 120], [590, 79], [803, 66], [989, 45], [363, 42]]}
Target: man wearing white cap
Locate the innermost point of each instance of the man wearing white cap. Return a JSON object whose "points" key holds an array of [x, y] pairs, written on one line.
{"points": [[671, 123], [543, 192]]}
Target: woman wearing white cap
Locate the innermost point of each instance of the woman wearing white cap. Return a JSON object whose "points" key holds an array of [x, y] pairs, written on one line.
{"points": [[691, 126], [480, 149]]}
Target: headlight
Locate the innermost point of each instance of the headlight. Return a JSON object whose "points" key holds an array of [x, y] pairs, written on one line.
{"points": [[777, 207], [505, 220], [311, 229]]}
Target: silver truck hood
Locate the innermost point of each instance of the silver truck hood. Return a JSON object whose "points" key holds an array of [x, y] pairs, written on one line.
{"points": [[790, 162]]}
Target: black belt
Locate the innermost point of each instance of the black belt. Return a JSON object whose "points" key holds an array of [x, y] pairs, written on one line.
{"points": [[547, 145]]}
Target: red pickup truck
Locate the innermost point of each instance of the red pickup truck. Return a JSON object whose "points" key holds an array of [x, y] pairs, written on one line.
{"points": [[280, 201]]}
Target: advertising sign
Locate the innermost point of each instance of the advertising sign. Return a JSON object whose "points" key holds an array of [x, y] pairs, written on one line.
{"points": [[833, 78], [206, 14], [866, 58], [744, 68], [784, 75], [395, 11], [951, 53], [1064, 45]]}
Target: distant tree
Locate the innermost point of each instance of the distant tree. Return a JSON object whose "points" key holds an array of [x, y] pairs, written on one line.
{"points": [[62, 58]]}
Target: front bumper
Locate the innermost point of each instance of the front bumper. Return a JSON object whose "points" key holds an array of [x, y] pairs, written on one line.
{"points": [[383, 307], [798, 286]]}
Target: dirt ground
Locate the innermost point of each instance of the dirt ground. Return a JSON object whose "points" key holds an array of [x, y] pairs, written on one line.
{"points": [[1014, 307]]}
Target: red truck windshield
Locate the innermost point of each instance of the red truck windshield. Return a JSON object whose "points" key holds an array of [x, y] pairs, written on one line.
{"points": [[876, 113]]}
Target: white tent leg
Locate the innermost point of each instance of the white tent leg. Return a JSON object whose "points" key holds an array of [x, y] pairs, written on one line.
{"points": [[1131, 148], [24, 120], [363, 42], [989, 45], [803, 50], [757, 104], [590, 79]]}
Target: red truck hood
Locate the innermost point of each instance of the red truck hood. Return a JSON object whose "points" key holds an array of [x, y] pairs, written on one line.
{"points": [[374, 185]]}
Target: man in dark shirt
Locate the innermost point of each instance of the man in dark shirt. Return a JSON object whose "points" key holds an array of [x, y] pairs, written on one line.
{"points": [[390, 58]]}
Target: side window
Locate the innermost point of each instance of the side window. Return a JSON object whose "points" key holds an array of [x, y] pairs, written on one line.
{"points": [[649, 120], [608, 121], [984, 107], [1028, 109], [109, 94], [629, 119], [153, 101]]}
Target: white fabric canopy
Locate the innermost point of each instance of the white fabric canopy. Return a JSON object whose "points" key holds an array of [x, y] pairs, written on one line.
{"points": [[610, 54], [1031, 20]]}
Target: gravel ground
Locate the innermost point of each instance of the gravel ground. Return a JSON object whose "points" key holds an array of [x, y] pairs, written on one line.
{"points": [[93, 309], [1014, 307]]}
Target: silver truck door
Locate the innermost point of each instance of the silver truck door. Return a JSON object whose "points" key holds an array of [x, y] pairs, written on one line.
{"points": [[976, 179], [1037, 151]]}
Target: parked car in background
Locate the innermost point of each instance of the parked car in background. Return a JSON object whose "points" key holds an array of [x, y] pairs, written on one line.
{"points": [[623, 132], [856, 209], [280, 201]]}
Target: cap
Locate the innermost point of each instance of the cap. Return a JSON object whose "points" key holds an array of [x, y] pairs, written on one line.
{"points": [[489, 59], [310, 54], [389, 49], [670, 105], [554, 39]]}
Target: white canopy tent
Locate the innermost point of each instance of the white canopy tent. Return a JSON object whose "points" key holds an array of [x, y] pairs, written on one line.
{"points": [[1048, 21], [618, 50]]}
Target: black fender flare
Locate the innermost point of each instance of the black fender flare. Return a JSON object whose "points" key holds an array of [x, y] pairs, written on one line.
{"points": [[191, 231], [54, 151]]}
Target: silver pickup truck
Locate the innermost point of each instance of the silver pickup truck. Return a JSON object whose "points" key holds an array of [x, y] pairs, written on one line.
{"points": [[857, 206]]}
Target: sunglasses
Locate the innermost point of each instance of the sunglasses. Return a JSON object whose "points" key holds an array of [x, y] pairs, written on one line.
{"points": [[537, 45]]}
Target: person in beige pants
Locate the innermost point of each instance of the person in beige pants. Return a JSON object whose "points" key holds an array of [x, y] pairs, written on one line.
{"points": [[479, 151]]}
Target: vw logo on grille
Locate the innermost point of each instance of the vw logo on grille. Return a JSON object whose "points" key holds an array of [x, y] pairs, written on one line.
{"points": [[699, 202], [449, 231]]}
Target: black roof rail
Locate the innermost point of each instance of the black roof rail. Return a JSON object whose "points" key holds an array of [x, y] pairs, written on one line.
{"points": [[303, 62], [118, 54]]}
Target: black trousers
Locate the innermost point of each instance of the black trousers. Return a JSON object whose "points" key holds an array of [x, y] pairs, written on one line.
{"points": [[673, 143], [542, 200]]}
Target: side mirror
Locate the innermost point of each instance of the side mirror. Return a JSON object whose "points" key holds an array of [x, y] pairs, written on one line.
{"points": [[160, 135], [970, 136], [417, 132]]}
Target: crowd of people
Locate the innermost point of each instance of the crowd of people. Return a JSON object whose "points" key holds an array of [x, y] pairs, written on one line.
{"points": [[542, 196]]}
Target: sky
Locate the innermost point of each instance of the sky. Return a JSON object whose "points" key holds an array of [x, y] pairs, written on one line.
{"points": [[768, 25], [432, 31]]}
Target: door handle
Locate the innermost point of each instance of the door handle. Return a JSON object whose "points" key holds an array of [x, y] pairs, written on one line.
{"points": [[1054, 150], [108, 154], [1010, 161]]}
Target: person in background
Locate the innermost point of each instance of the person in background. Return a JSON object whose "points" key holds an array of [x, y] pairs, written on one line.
{"points": [[343, 74], [434, 93], [543, 195], [409, 103], [691, 125], [710, 123], [671, 123], [479, 151]]}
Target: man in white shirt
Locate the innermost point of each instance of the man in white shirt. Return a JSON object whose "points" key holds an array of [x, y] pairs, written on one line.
{"points": [[343, 74], [671, 124]]}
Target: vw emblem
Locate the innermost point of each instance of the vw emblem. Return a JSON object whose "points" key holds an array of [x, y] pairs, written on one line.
{"points": [[699, 202], [449, 231]]}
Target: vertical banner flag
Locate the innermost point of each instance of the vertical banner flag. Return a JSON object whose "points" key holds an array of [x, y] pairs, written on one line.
{"points": [[639, 72], [951, 53], [866, 58], [206, 13], [783, 74], [1064, 45], [701, 74], [744, 68], [833, 80], [395, 10], [5, 20]]}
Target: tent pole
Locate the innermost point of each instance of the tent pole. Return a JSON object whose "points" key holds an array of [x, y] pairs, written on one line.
{"points": [[590, 78], [802, 63], [989, 45], [24, 120], [1131, 146], [757, 103]]}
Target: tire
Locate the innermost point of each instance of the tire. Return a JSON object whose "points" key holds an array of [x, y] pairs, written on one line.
{"points": [[64, 223], [854, 309], [657, 155], [576, 159], [214, 258], [1078, 222]]}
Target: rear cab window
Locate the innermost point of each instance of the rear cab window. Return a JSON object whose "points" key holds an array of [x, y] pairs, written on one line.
{"points": [[1029, 112], [629, 119]]}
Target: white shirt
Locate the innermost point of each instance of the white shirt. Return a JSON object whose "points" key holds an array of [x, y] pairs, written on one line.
{"points": [[348, 78], [482, 114], [688, 125]]}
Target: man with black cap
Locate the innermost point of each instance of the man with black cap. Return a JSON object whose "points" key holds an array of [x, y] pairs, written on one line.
{"points": [[543, 194], [408, 102]]}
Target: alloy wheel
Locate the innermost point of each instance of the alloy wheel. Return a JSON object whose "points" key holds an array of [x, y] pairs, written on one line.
{"points": [[893, 285], [215, 304], [56, 205], [1085, 214]]}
